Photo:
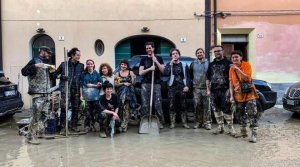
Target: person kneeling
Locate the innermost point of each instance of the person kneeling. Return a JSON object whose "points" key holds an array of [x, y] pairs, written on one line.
{"points": [[109, 111]]}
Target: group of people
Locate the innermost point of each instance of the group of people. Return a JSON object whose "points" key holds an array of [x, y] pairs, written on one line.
{"points": [[110, 99]]}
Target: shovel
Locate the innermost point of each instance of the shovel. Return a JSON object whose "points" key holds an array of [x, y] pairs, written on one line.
{"points": [[149, 123]]}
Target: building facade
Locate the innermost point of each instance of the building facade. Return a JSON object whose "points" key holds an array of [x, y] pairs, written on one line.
{"points": [[266, 31], [104, 30]]}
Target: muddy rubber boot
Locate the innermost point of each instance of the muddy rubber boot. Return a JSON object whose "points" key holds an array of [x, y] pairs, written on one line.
{"points": [[219, 130], [102, 132], [41, 135], [124, 129], [161, 126], [197, 125], [253, 135], [112, 128], [220, 121], [186, 126], [75, 129], [242, 133], [63, 132], [207, 126], [172, 125], [33, 141], [172, 119], [231, 131], [229, 120], [183, 120]]}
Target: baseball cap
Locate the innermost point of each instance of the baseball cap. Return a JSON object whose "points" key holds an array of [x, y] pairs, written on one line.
{"points": [[45, 48]]}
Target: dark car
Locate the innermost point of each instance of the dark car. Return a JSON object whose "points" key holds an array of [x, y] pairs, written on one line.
{"points": [[291, 98], [10, 98], [267, 97]]}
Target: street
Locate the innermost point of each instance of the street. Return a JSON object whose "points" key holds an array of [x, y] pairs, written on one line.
{"points": [[278, 144]]}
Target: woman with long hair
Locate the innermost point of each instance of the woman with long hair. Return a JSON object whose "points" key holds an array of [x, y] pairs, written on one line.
{"points": [[89, 93], [106, 74]]}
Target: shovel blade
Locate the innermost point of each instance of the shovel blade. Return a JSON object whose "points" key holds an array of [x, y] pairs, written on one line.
{"points": [[149, 124]]}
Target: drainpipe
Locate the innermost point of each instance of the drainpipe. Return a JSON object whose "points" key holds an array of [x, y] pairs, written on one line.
{"points": [[215, 22], [207, 28], [1, 57]]}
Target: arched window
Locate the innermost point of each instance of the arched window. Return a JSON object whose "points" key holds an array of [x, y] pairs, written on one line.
{"points": [[43, 40]]}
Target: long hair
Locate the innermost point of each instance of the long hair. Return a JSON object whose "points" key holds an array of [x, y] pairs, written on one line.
{"points": [[86, 68], [109, 69]]}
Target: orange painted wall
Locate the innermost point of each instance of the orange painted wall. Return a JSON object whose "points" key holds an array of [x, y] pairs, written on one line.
{"points": [[277, 56]]}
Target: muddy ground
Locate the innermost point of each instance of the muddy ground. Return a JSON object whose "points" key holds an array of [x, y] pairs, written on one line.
{"points": [[278, 144]]}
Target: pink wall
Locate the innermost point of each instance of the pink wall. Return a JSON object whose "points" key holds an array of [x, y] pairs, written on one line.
{"points": [[277, 56]]}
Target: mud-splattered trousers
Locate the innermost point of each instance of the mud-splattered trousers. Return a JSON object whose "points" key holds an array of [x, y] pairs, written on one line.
{"points": [[157, 100], [220, 106], [248, 111], [201, 106], [40, 107], [91, 111], [74, 98], [39, 85], [175, 94]]}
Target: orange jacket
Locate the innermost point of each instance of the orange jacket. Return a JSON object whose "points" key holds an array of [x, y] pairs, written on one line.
{"points": [[237, 93]]}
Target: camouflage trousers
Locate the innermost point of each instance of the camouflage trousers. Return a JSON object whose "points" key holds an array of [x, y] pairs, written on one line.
{"points": [[74, 100], [145, 98], [248, 112], [221, 107], [40, 107], [180, 104], [201, 106]]}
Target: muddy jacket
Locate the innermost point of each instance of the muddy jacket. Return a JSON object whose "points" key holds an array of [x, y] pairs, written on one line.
{"points": [[180, 73], [198, 73], [75, 71], [38, 78]]}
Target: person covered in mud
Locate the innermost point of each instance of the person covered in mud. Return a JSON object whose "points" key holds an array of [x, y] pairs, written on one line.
{"points": [[198, 69], [217, 88], [124, 81], [241, 71], [90, 94], [178, 87], [75, 69], [148, 64], [109, 106], [39, 87]]}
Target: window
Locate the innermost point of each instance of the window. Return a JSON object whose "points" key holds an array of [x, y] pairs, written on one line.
{"points": [[99, 47]]}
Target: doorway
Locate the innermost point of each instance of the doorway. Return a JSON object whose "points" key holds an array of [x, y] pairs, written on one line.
{"points": [[43, 40], [232, 42]]}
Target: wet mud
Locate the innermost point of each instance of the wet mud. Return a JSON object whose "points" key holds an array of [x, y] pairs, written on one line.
{"points": [[278, 144]]}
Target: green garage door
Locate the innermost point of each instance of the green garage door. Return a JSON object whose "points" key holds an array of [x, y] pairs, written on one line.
{"points": [[123, 51], [135, 46]]}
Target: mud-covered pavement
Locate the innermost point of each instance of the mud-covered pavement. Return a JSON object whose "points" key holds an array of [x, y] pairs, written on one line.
{"points": [[278, 145]]}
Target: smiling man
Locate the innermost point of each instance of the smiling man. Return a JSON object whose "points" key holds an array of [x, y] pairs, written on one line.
{"points": [[218, 87], [147, 65]]}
